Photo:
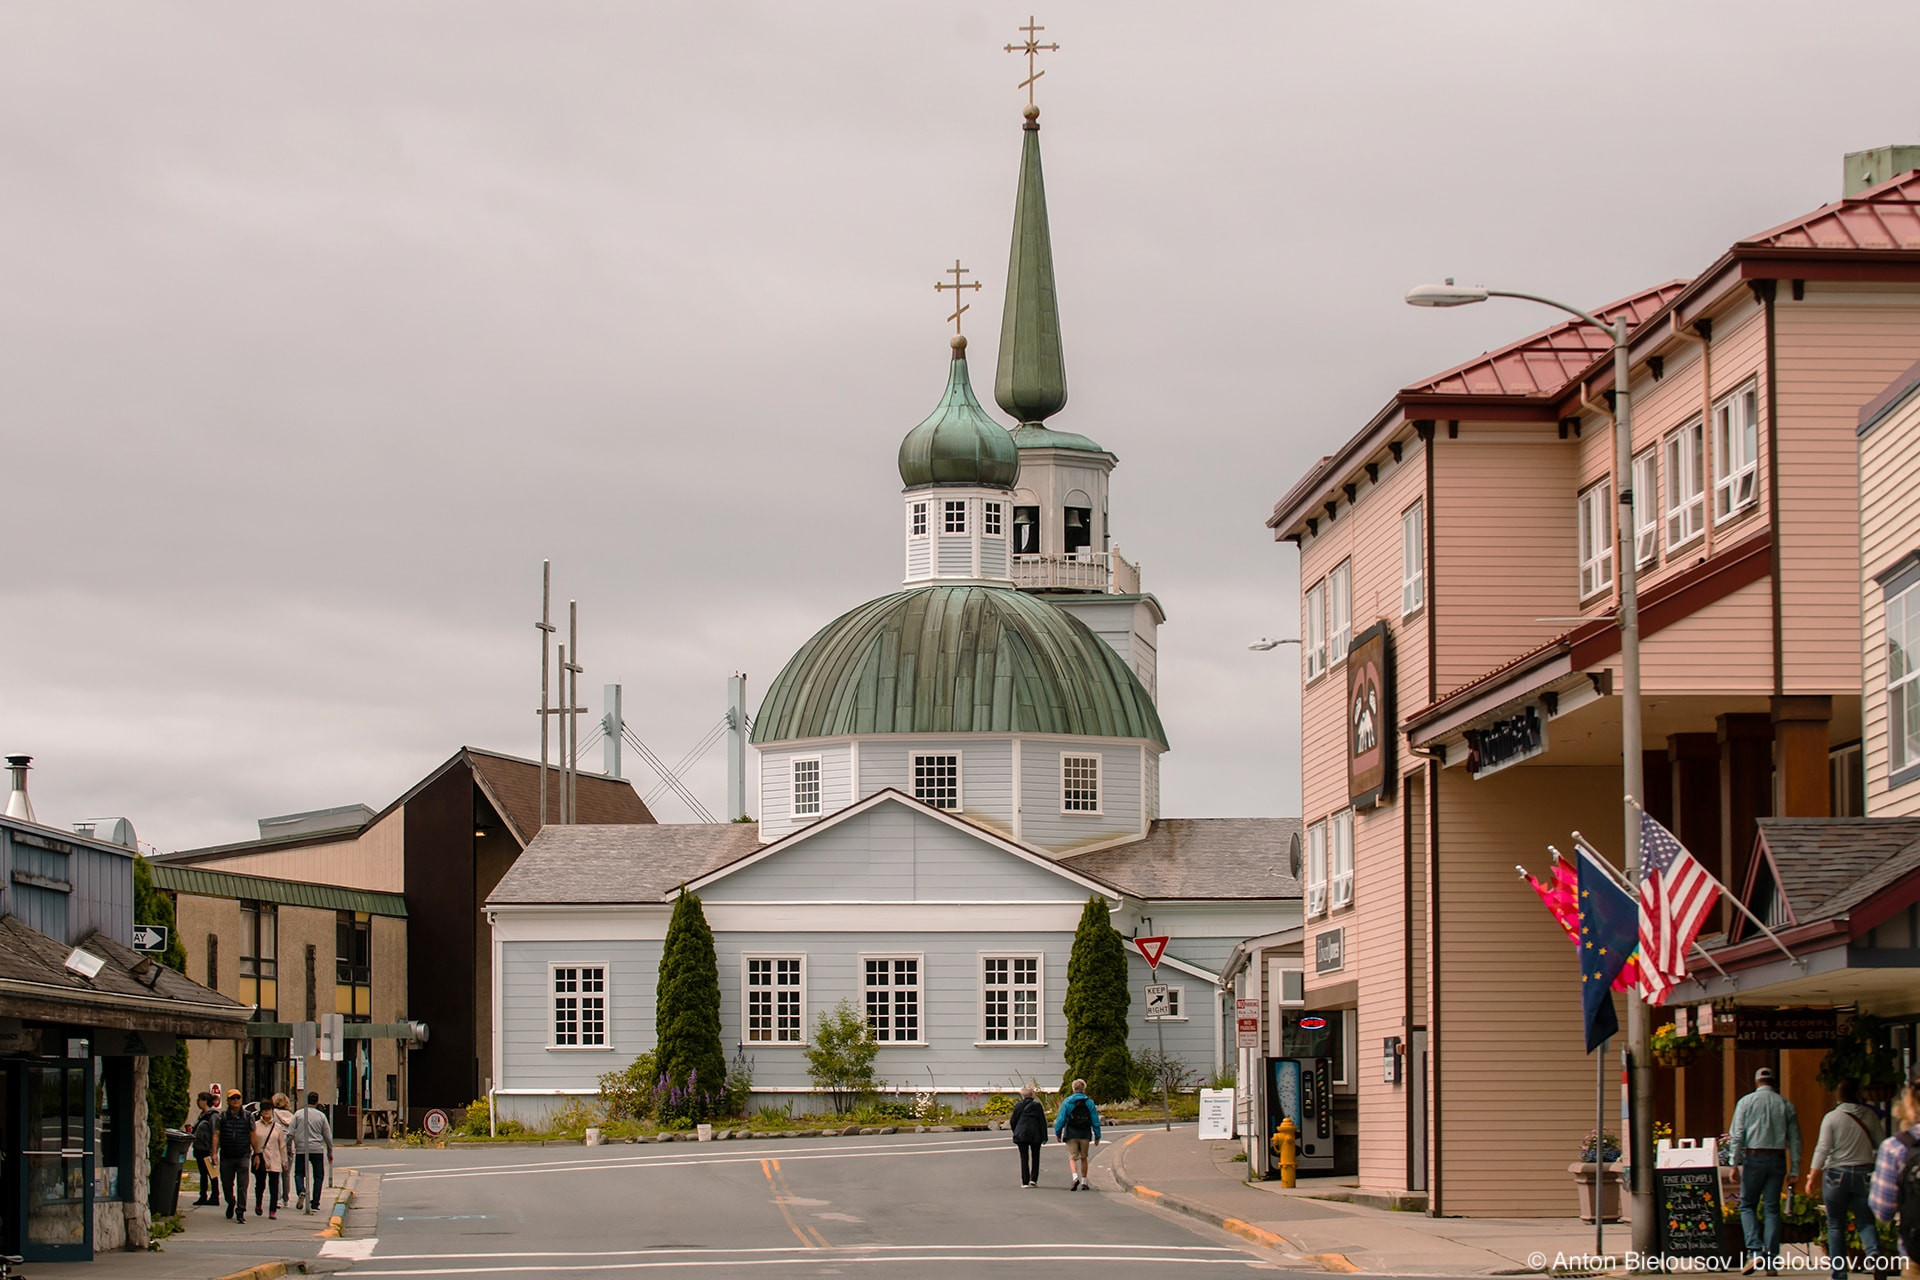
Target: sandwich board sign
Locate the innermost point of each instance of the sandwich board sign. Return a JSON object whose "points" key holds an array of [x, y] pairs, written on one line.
{"points": [[1151, 949]]}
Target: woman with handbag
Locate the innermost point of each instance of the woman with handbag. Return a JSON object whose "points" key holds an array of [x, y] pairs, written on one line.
{"points": [[270, 1158]]}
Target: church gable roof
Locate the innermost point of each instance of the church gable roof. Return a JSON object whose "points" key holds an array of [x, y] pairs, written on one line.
{"points": [[619, 865], [1201, 858]]}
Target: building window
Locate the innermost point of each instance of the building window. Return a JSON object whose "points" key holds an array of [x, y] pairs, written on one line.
{"points": [[893, 998], [1010, 1000], [1847, 782], [1413, 559], [776, 999], [1026, 531], [990, 519], [579, 1006], [1340, 854], [1596, 539], [1315, 630], [1736, 452], [955, 520], [353, 965], [1646, 507], [1176, 1004], [1340, 609], [936, 779], [1316, 868], [1686, 485], [1079, 784], [806, 787], [917, 524], [1903, 683], [1077, 529], [260, 958]]}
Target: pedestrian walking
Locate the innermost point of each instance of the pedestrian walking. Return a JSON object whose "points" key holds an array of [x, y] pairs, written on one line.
{"points": [[203, 1127], [234, 1139], [1078, 1125], [1765, 1138], [310, 1139], [1895, 1194], [1028, 1121], [1850, 1138], [271, 1165]]}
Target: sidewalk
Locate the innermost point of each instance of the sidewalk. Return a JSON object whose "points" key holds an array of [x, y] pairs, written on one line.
{"points": [[210, 1247], [1201, 1179]]}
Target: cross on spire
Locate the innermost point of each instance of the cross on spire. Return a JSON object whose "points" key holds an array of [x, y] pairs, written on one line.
{"points": [[959, 308], [1033, 49]]}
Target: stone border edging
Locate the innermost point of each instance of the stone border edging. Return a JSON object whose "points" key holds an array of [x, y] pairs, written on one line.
{"points": [[764, 1135], [342, 1201]]}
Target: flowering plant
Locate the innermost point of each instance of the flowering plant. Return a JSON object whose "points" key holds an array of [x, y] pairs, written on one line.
{"points": [[1609, 1147]]}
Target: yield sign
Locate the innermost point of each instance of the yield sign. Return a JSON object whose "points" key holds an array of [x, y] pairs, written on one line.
{"points": [[1152, 949]]}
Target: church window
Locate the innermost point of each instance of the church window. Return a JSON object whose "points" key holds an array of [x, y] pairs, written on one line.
{"points": [[776, 992], [918, 525], [990, 519], [579, 1007], [936, 779], [955, 516], [1079, 784], [1078, 529], [1026, 531], [806, 787], [1316, 868], [1010, 1000], [893, 998]]}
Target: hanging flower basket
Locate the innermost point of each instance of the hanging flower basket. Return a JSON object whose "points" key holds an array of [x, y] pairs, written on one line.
{"points": [[1670, 1050]]}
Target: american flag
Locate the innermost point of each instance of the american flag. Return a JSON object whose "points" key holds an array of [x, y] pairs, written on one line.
{"points": [[1676, 893]]}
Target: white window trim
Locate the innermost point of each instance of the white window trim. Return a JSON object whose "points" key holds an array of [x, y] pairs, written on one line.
{"points": [[1099, 785], [1316, 900], [959, 776], [746, 989], [1315, 620], [819, 782], [919, 509], [1413, 570], [947, 506], [1687, 509], [1177, 996], [1339, 638], [1646, 506], [980, 972], [1594, 506], [1907, 599], [1340, 860], [920, 992], [606, 1001], [1727, 483], [995, 513]]}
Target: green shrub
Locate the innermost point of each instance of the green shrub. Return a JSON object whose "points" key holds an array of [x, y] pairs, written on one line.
{"points": [[1154, 1071], [573, 1119], [1000, 1104], [840, 1059], [882, 1111], [780, 1117], [628, 1094], [474, 1123]]}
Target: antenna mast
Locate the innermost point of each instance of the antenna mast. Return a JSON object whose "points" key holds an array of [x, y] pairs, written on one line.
{"points": [[546, 629]]}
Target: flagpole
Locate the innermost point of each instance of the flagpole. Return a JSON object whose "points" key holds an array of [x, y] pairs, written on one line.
{"points": [[1599, 1148]]}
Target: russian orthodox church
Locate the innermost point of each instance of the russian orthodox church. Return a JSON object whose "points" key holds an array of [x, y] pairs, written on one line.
{"points": [[946, 774]]}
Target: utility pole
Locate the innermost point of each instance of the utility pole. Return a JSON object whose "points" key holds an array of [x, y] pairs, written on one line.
{"points": [[572, 722], [546, 628], [736, 746], [611, 727]]}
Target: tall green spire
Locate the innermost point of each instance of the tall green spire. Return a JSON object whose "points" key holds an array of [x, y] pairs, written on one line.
{"points": [[1031, 381]]}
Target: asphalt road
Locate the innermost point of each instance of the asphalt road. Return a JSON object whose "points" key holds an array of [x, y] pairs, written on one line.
{"points": [[920, 1205]]}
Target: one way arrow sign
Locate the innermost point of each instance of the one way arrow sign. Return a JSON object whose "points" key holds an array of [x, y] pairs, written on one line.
{"points": [[149, 937]]}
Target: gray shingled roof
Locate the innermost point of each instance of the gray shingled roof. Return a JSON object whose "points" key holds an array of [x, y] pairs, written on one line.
{"points": [[29, 956], [1200, 858], [587, 865], [1827, 866]]}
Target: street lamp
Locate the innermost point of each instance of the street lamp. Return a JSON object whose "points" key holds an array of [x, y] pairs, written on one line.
{"points": [[1452, 295], [1263, 644]]}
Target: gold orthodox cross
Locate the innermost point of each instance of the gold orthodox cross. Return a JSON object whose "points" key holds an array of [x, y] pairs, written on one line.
{"points": [[959, 308], [1033, 49]]}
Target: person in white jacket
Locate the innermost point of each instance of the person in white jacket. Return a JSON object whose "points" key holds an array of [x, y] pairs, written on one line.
{"points": [[1850, 1137]]}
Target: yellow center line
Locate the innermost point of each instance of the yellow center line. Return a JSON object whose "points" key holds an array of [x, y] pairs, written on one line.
{"points": [[1130, 1141]]}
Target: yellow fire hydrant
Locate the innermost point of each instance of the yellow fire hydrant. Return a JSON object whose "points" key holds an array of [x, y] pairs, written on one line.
{"points": [[1286, 1147]]}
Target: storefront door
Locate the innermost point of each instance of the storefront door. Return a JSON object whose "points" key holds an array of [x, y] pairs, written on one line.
{"points": [[54, 1167]]}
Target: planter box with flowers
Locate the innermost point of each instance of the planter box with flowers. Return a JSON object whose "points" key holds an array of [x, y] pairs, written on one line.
{"points": [[1607, 1199]]}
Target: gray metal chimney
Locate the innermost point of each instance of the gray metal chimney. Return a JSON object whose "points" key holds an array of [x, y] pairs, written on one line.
{"points": [[736, 746], [18, 805], [1865, 170]]}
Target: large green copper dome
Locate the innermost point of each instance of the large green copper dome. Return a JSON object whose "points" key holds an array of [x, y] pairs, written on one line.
{"points": [[957, 659], [958, 443]]}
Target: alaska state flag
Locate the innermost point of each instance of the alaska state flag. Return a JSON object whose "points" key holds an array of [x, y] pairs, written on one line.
{"points": [[1609, 932]]}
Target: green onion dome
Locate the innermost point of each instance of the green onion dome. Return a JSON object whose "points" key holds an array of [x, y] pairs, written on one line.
{"points": [[959, 444], [957, 659]]}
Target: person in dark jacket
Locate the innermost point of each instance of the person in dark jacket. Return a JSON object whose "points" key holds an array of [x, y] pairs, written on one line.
{"points": [[234, 1137], [1028, 1120], [203, 1127]]}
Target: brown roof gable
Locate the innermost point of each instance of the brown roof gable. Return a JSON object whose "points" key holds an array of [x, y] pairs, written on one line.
{"points": [[513, 785]]}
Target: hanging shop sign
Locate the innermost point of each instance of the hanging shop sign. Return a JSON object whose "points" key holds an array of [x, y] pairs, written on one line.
{"points": [[1507, 741], [1370, 722], [1785, 1028]]}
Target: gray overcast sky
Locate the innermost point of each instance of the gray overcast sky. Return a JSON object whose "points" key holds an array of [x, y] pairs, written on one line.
{"points": [[321, 325]]}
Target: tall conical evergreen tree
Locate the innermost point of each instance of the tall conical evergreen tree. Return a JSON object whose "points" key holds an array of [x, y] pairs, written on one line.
{"points": [[687, 1009], [1097, 1005], [166, 1077]]}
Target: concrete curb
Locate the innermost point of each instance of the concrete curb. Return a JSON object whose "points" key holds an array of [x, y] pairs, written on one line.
{"points": [[263, 1271], [342, 1201], [1193, 1209]]}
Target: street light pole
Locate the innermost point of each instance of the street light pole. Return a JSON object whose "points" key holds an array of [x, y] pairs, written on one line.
{"points": [[1645, 1237]]}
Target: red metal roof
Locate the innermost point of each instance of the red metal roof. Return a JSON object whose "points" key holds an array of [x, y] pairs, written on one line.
{"points": [[1882, 217], [1546, 363]]}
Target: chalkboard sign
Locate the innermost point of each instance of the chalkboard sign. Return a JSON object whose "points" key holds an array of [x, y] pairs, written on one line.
{"points": [[1688, 1208]]}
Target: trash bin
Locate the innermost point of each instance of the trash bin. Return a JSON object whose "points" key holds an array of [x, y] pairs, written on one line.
{"points": [[163, 1196]]}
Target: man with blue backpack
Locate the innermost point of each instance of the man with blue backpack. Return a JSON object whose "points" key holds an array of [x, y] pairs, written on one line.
{"points": [[1078, 1125]]}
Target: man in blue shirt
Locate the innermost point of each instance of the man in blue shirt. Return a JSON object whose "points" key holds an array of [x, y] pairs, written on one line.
{"points": [[1765, 1138], [1078, 1125]]}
